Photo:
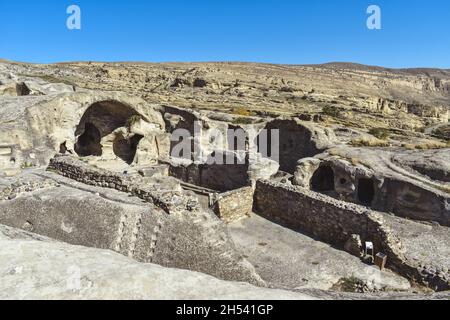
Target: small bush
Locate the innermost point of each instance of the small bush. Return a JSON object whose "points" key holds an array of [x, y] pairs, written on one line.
{"points": [[27, 165], [443, 132], [380, 133], [331, 111], [243, 121], [351, 284]]}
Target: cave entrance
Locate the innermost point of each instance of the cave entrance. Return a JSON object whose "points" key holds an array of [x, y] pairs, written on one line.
{"points": [[323, 179], [294, 142], [125, 148], [100, 120], [88, 143], [366, 191]]}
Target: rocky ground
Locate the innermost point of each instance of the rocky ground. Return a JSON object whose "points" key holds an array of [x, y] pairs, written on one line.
{"points": [[85, 273], [383, 124], [291, 260], [407, 100]]}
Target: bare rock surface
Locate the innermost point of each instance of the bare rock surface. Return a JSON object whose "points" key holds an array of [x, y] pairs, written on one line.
{"points": [[433, 164], [425, 245], [34, 267], [289, 259], [363, 156], [103, 218]]}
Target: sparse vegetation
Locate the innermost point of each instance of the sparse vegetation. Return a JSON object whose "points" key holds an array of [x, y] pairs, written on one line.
{"points": [[331, 111], [369, 142], [27, 165], [426, 145], [50, 79], [241, 111], [351, 284], [242, 120], [380, 133]]}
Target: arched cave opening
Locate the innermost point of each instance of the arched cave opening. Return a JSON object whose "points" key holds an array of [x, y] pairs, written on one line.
{"points": [[176, 120], [88, 144], [125, 148], [366, 191], [22, 89], [99, 120], [323, 179], [294, 142]]}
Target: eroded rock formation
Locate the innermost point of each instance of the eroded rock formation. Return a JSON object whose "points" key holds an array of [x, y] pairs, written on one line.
{"points": [[164, 181]]}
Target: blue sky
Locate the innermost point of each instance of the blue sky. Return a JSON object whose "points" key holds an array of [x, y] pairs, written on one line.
{"points": [[414, 33]]}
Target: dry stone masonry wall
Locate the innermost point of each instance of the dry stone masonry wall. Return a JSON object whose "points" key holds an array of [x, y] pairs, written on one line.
{"points": [[168, 228], [15, 189], [338, 223], [168, 200], [234, 205]]}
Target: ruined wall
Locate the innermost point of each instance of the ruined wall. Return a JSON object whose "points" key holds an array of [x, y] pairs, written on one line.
{"points": [[77, 170], [169, 229], [234, 205], [217, 177], [318, 215], [335, 222], [297, 140], [381, 191]]}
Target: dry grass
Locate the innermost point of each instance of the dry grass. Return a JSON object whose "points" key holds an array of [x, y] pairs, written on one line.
{"points": [[369, 142], [353, 160], [335, 152], [426, 145], [240, 111], [445, 188]]}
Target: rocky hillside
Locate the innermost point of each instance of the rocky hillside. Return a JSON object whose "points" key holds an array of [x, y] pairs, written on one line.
{"points": [[357, 96]]}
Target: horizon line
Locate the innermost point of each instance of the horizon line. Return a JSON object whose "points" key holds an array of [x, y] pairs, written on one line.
{"points": [[330, 63]]}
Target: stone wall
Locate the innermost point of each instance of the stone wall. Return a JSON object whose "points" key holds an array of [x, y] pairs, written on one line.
{"points": [[234, 205], [385, 191], [12, 191], [316, 214], [168, 200], [217, 177], [168, 228], [337, 222]]}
